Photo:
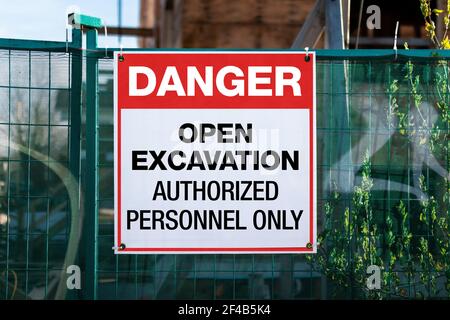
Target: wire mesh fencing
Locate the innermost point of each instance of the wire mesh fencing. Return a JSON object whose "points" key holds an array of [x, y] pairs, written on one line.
{"points": [[35, 216], [383, 191]]}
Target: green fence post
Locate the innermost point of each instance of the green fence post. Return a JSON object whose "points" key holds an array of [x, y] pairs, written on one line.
{"points": [[90, 225], [76, 64], [75, 104]]}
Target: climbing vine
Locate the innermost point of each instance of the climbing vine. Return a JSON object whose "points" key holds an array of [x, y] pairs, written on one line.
{"points": [[409, 242]]}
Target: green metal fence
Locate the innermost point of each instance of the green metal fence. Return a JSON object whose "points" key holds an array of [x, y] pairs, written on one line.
{"points": [[383, 184]]}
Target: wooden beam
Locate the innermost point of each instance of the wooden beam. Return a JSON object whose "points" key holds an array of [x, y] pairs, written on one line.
{"points": [[241, 23], [126, 31], [147, 20], [169, 23], [147, 15], [312, 29]]}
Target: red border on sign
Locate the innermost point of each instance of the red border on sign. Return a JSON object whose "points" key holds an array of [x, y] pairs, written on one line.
{"points": [[221, 249]]}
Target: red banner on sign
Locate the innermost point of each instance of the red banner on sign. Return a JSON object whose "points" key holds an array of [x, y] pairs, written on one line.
{"points": [[222, 80]]}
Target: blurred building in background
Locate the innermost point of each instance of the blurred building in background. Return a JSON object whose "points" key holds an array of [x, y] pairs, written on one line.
{"points": [[276, 23], [227, 23]]}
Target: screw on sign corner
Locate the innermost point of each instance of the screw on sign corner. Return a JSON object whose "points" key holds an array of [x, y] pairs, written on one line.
{"points": [[122, 246], [121, 58], [309, 245], [307, 58]]}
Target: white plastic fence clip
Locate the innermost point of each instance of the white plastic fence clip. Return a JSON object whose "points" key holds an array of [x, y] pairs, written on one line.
{"points": [[121, 58], [106, 41], [395, 40], [121, 247], [307, 58], [67, 40]]}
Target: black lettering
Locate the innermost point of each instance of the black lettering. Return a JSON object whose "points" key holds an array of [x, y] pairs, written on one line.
{"points": [[246, 134], [172, 165], [212, 164], [297, 218], [157, 160], [247, 185], [275, 189], [216, 219], [189, 219], [130, 219], [196, 161], [171, 219], [238, 225], [158, 219], [274, 220], [257, 190], [286, 157], [222, 128], [144, 219], [259, 226], [228, 161], [210, 192], [228, 220], [135, 159], [276, 160], [206, 130], [199, 219], [182, 129], [159, 191], [227, 188]]}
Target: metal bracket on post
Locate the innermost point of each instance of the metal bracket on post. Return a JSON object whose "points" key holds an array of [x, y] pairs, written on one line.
{"points": [[78, 20]]}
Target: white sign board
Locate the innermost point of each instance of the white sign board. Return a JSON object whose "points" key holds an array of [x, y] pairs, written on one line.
{"points": [[215, 152]]}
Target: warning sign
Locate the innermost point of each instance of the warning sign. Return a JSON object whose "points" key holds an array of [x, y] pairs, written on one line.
{"points": [[215, 152]]}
